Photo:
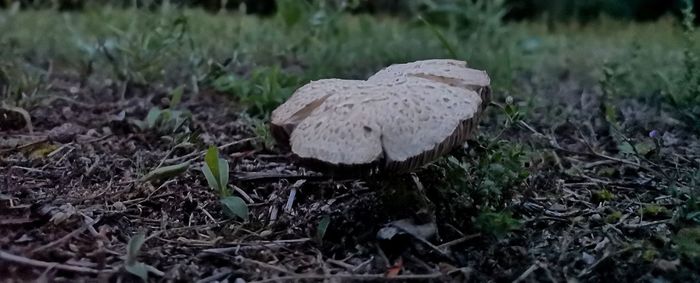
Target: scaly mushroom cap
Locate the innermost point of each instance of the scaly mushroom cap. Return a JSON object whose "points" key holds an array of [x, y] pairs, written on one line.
{"points": [[402, 117]]}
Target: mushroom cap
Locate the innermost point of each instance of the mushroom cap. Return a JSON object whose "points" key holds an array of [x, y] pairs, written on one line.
{"points": [[404, 116], [301, 104]]}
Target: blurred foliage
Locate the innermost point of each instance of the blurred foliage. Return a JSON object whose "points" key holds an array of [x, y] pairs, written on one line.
{"points": [[552, 10], [261, 91]]}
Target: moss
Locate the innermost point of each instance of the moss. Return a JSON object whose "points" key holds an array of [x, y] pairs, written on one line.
{"points": [[602, 196], [613, 217]]}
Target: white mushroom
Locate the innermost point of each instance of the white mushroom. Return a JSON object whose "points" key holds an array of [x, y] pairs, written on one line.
{"points": [[400, 118]]}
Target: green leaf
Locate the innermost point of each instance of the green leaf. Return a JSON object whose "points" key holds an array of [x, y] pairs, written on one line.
{"points": [[213, 183], [134, 247], [211, 159], [642, 148], [139, 269], [176, 97], [322, 227], [166, 172], [152, 117], [223, 174], [645, 148], [131, 263], [234, 207], [626, 148]]}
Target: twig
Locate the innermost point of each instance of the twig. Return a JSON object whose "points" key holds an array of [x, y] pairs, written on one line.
{"points": [[243, 194], [645, 224], [28, 169], [595, 265], [363, 264], [155, 271], [214, 277], [202, 152], [425, 242], [527, 272], [348, 267], [264, 265], [38, 263], [264, 177], [61, 240], [458, 241], [259, 243], [207, 213], [352, 277]]}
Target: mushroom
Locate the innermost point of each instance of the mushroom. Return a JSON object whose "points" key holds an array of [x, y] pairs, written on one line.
{"points": [[401, 118]]}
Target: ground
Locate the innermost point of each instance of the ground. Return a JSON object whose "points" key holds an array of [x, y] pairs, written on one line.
{"points": [[575, 175]]}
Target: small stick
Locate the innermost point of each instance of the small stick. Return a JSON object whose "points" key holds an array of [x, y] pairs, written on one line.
{"points": [[527, 272], [61, 240], [290, 200], [348, 267], [236, 246], [243, 194], [352, 277], [214, 277], [587, 271], [645, 224], [266, 265], [363, 264], [202, 152], [458, 241], [38, 263]]}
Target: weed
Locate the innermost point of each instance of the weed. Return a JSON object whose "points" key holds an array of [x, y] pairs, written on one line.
{"points": [[479, 25], [131, 263], [602, 196], [215, 170], [141, 56], [653, 210], [262, 131], [491, 169], [687, 189], [261, 92], [166, 121], [688, 242], [616, 81], [682, 93], [322, 227], [21, 84], [613, 217], [497, 224], [650, 254], [488, 175]]}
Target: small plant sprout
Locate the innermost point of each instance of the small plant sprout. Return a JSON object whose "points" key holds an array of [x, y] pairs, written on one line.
{"points": [[131, 263], [166, 121], [216, 172], [498, 224], [322, 227]]}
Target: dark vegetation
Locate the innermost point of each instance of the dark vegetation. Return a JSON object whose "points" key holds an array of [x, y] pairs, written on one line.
{"points": [[119, 124], [640, 10]]}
